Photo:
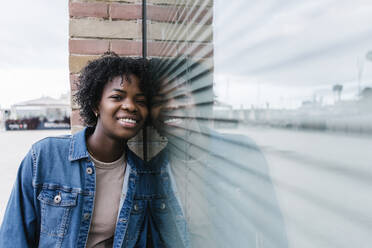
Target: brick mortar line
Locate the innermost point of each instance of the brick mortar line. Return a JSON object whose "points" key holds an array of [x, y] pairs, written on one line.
{"points": [[100, 38], [107, 20], [149, 21], [88, 2], [182, 42], [98, 55]]}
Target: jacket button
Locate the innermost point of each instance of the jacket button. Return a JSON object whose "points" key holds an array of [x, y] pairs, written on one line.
{"points": [[57, 199], [123, 220], [135, 207], [86, 216], [162, 206], [89, 170]]}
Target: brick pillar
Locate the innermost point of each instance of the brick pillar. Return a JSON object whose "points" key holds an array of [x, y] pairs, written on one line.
{"points": [[180, 27], [97, 27], [174, 28]]}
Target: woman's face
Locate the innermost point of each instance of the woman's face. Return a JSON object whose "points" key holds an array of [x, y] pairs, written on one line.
{"points": [[122, 110], [173, 112]]}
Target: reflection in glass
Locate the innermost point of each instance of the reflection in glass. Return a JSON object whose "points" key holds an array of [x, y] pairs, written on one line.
{"points": [[262, 113], [221, 180]]}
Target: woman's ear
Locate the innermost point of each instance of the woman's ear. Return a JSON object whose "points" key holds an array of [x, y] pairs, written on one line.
{"points": [[96, 112]]}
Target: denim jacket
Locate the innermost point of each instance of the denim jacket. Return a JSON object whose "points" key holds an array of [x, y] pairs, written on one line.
{"points": [[52, 201]]}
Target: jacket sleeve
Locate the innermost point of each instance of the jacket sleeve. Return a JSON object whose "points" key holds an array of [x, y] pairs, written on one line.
{"points": [[19, 225]]}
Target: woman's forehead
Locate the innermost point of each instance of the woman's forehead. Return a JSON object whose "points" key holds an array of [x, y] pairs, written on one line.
{"points": [[181, 89], [124, 81]]}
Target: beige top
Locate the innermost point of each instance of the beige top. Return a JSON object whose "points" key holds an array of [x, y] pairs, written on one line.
{"points": [[109, 184]]}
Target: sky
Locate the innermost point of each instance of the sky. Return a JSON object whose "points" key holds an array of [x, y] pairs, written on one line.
{"points": [[33, 50], [276, 52], [286, 52]]}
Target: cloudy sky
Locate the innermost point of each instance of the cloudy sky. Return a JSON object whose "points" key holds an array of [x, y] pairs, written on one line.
{"points": [[280, 52], [285, 52], [33, 50]]}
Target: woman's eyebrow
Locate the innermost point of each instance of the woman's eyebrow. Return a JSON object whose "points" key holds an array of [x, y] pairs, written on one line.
{"points": [[119, 90]]}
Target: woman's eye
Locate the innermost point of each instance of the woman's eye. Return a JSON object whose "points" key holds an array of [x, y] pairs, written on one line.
{"points": [[141, 101], [116, 97]]}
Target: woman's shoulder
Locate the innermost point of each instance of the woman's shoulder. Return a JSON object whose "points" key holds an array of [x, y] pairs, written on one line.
{"points": [[52, 142]]}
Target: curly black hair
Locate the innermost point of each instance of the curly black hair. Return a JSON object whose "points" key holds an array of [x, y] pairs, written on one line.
{"points": [[98, 73]]}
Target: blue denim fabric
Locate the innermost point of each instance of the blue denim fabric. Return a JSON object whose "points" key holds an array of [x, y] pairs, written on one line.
{"points": [[52, 201], [165, 216]]}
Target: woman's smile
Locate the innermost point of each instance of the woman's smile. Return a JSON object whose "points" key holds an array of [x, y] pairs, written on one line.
{"points": [[128, 122], [122, 110]]}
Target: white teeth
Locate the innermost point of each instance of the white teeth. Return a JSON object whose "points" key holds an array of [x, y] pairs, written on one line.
{"points": [[128, 120], [172, 121]]}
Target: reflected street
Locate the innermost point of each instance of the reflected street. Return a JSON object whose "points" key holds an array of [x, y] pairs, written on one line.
{"points": [[322, 180]]}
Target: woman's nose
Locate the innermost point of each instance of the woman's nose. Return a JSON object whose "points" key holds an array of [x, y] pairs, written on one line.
{"points": [[129, 105], [172, 104]]}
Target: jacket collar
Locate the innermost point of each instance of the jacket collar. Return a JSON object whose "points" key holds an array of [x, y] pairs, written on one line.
{"points": [[133, 160], [78, 147], [78, 150]]}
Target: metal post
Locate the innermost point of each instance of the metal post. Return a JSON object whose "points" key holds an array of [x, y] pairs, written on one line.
{"points": [[144, 55]]}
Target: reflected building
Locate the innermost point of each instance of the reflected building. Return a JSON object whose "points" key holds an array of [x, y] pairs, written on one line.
{"points": [[350, 116]]}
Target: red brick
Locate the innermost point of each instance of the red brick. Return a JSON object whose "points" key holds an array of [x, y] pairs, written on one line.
{"points": [[85, 9], [125, 11], [126, 47], [74, 77], [162, 49], [76, 119], [162, 14], [88, 46]]}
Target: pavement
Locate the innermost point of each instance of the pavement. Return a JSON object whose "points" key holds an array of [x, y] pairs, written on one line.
{"points": [[323, 181]]}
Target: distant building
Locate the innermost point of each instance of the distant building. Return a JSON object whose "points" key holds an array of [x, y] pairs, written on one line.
{"points": [[44, 107], [42, 113]]}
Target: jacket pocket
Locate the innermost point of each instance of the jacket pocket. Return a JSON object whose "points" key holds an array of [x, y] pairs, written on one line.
{"points": [[165, 223], [56, 207], [136, 219]]}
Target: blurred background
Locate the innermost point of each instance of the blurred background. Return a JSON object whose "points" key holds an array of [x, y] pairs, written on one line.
{"points": [[265, 114], [34, 81]]}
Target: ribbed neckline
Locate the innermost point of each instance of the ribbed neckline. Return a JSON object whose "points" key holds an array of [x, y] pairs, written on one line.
{"points": [[110, 165]]}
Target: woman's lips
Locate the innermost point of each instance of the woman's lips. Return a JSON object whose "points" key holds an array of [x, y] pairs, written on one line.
{"points": [[173, 121], [128, 122]]}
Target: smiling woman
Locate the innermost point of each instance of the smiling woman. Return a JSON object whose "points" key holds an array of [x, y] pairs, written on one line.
{"points": [[89, 189], [122, 108]]}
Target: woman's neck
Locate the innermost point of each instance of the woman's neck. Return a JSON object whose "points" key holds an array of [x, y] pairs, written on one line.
{"points": [[103, 148]]}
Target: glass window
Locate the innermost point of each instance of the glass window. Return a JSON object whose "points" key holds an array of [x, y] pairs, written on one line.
{"points": [[264, 111]]}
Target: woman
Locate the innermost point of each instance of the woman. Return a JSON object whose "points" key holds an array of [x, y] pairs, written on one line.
{"points": [[79, 190]]}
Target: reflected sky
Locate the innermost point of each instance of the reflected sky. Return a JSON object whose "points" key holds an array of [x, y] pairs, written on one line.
{"points": [[283, 53]]}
